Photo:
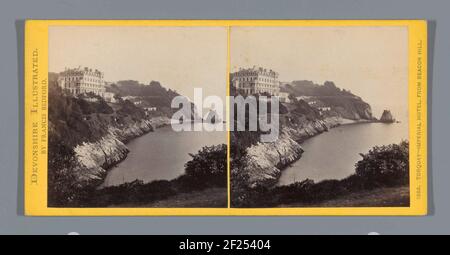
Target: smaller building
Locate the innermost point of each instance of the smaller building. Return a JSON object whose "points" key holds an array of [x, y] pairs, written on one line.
{"points": [[109, 97], [150, 109], [284, 97], [131, 98], [91, 99], [303, 98], [324, 109]]}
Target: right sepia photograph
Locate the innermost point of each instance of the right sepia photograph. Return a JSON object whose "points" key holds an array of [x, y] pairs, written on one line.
{"points": [[319, 117]]}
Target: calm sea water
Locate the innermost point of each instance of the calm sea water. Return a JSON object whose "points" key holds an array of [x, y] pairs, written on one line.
{"points": [[161, 155], [333, 154]]}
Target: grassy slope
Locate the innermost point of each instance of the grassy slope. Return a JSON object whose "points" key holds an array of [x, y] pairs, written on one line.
{"points": [[381, 197], [208, 198]]}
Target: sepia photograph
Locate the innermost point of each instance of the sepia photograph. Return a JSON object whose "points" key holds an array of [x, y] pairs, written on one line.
{"points": [[225, 117], [341, 119], [129, 119]]}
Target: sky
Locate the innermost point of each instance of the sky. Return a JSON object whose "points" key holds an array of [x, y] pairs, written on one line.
{"points": [[180, 58], [372, 62]]}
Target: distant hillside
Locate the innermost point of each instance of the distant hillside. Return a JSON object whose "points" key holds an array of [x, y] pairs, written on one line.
{"points": [[153, 93], [309, 88], [341, 101]]}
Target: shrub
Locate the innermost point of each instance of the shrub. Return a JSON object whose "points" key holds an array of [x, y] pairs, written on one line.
{"points": [[64, 186], [385, 165], [209, 166], [206, 169]]}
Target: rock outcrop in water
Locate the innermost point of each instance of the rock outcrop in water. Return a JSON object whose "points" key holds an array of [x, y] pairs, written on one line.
{"points": [[212, 117], [387, 117]]}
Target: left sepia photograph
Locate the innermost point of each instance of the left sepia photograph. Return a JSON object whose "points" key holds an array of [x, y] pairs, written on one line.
{"points": [[136, 117]]}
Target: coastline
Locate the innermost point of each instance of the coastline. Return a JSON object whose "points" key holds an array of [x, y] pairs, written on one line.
{"points": [[96, 158], [325, 159], [266, 161], [344, 122]]}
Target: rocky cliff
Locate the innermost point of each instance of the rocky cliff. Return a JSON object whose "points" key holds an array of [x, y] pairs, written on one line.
{"points": [[265, 161], [88, 135], [97, 156], [387, 117]]}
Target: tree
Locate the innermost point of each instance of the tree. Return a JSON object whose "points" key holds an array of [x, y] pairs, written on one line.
{"points": [[385, 165], [209, 166], [64, 187]]}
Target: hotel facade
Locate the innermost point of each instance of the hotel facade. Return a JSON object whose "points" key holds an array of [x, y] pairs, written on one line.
{"points": [[256, 80], [79, 80]]}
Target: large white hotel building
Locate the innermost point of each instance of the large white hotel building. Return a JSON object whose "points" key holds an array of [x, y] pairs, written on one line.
{"points": [[256, 80], [84, 80]]}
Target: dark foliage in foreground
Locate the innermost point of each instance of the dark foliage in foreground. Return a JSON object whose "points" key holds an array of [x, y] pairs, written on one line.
{"points": [[86, 118], [72, 121], [62, 188], [209, 166], [382, 166], [206, 169]]}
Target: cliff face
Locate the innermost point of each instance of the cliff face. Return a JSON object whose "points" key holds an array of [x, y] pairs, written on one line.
{"points": [[387, 117], [95, 157], [86, 137], [265, 161], [351, 108]]}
